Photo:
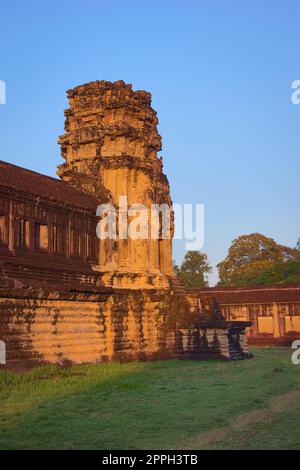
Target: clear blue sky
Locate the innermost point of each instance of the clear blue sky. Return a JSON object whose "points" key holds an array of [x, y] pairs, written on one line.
{"points": [[220, 73]]}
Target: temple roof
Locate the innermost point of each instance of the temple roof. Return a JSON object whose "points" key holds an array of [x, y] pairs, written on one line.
{"points": [[256, 294], [21, 179]]}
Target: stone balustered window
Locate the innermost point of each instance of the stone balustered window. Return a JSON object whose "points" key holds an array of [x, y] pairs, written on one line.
{"points": [[82, 245], [75, 243], [22, 233], [91, 244], [3, 231], [297, 309], [41, 237], [58, 240]]}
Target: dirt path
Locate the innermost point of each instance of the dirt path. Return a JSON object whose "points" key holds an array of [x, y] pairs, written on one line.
{"points": [[275, 405]]}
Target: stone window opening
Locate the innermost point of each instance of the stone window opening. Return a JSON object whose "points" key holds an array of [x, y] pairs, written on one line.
{"points": [[82, 246], [58, 240], [22, 234], [3, 231], [90, 246], [75, 243], [41, 237]]}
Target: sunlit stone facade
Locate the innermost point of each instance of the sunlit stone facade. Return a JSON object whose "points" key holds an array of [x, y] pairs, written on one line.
{"points": [[65, 295]]}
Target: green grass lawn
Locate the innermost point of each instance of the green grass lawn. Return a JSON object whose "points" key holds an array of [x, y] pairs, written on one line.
{"points": [[155, 405]]}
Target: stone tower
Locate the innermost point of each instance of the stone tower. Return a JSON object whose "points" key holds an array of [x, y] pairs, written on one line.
{"points": [[110, 149]]}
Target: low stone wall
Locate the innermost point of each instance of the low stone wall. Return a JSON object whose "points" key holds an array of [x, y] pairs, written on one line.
{"points": [[139, 325], [274, 311]]}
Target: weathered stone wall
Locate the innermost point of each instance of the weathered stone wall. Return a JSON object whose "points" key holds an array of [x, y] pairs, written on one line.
{"points": [[141, 325], [274, 311], [58, 301], [271, 322], [47, 232]]}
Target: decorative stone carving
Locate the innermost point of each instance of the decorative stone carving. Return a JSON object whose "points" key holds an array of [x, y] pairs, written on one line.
{"points": [[110, 147], [58, 296]]}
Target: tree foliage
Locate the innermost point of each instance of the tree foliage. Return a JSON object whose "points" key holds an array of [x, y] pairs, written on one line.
{"points": [[282, 273], [298, 244], [194, 269], [251, 255]]}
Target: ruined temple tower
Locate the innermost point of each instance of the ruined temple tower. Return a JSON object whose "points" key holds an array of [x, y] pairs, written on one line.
{"points": [[110, 149], [65, 295]]}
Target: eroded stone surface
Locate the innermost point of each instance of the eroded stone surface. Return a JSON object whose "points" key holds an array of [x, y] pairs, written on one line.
{"points": [[123, 325], [58, 296], [110, 145]]}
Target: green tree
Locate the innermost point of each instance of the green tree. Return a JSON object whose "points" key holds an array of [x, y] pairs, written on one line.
{"points": [[194, 269], [249, 256], [281, 273], [298, 244]]}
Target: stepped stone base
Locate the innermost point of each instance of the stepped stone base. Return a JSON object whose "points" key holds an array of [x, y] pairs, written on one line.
{"points": [[63, 328]]}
